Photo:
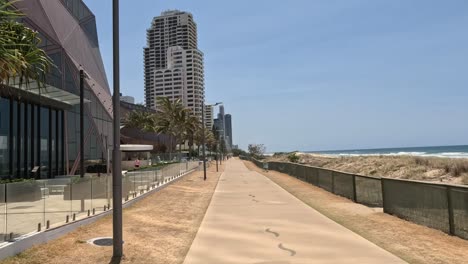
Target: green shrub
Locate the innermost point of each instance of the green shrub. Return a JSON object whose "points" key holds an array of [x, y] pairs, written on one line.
{"points": [[293, 157]]}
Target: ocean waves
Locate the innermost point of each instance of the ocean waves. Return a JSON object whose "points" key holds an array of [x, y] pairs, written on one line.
{"points": [[458, 155]]}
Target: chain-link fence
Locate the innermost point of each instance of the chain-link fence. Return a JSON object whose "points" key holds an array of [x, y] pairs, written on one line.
{"points": [[440, 206]]}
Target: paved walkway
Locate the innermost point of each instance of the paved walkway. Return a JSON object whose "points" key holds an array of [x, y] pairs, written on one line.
{"points": [[253, 220]]}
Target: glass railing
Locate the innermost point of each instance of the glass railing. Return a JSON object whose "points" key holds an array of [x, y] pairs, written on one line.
{"points": [[37, 205]]}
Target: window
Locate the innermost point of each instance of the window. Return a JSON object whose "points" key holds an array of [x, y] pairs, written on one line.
{"points": [[44, 142], [4, 137]]}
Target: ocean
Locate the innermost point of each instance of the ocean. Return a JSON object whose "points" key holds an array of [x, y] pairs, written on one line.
{"points": [[438, 151]]}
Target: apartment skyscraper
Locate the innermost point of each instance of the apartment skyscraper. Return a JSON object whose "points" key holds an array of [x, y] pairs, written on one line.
{"points": [[173, 63], [209, 118]]}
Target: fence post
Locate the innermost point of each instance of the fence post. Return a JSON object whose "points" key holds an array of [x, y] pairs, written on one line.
{"points": [[354, 189], [318, 177], [382, 180], [450, 211], [333, 181]]}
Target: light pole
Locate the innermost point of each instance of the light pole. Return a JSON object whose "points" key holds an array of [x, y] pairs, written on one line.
{"points": [[116, 166], [82, 168], [203, 137]]}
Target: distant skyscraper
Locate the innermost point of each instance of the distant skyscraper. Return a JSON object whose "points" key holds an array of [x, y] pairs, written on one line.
{"points": [[221, 129], [223, 124], [173, 63], [228, 128]]}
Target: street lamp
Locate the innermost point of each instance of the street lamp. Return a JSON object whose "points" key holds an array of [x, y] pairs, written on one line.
{"points": [[116, 160], [203, 137]]}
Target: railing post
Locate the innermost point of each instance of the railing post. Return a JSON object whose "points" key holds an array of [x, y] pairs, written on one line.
{"points": [[450, 211]]}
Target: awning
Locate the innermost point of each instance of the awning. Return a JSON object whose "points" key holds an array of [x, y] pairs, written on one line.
{"points": [[135, 148], [47, 91]]}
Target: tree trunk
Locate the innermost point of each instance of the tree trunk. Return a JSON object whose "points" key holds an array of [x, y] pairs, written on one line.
{"points": [[170, 148]]}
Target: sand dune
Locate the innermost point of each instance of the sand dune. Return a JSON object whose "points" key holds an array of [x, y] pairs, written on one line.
{"points": [[432, 169]]}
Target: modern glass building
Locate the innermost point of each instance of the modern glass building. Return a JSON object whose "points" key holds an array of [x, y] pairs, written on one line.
{"points": [[40, 128]]}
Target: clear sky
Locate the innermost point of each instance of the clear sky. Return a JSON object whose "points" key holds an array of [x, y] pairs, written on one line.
{"points": [[319, 74]]}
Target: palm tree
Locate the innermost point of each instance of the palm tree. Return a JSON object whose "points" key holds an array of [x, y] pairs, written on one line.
{"points": [[20, 55], [211, 141], [169, 119], [198, 138], [139, 119], [192, 125]]}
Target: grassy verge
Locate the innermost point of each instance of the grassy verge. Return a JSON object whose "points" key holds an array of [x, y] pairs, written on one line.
{"points": [[158, 229], [411, 242]]}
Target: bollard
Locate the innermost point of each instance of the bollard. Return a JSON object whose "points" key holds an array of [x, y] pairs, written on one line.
{"points": [[105, 208], [47, 224], [39, 227], [74, 217], [89, 212], [11, 236], [94, 211], [67, 219]]}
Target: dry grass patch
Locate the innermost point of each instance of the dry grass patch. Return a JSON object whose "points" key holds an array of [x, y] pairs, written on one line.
{"points": [[158, 229], [411, 242]]}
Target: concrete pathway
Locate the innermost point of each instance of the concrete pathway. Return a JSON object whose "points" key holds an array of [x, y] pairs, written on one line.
{"points": [[253, 220]]}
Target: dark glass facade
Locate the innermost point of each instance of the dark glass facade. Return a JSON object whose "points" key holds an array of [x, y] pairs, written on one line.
{"points": [[46, 133], [30, 135]]}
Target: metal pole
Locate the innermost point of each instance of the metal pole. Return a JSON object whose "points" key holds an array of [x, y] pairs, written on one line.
{"points": [[116, 160], [203, 140], [82, 172]]}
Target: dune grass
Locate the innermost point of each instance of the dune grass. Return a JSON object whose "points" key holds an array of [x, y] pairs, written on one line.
{"points": [[447, 170]]}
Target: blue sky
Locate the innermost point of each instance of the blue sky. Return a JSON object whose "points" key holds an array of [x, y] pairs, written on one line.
{"points": [[316, 75]]}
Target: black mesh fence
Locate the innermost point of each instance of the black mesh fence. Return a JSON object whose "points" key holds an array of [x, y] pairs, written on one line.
{"points": [[368, 191], [439, 206], [281, 167], [300, 172], [292, 169], [421, 203], [312, 175], [459, 202], [343, 184], [325, 180], [272, 166]]}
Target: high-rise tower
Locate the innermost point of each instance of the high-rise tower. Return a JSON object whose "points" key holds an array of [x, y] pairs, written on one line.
{"points": [[228, 128], [173, 63]]}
